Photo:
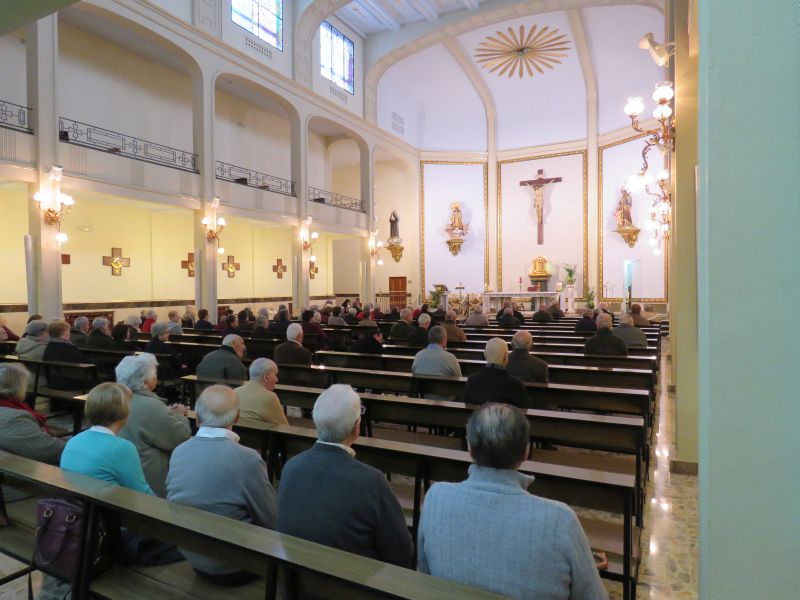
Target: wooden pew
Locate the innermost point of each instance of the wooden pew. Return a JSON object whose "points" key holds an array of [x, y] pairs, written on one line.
{"points": [[311, 567]]}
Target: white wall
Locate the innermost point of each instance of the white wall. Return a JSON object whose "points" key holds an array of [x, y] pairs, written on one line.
{"points": [[180, 8], [345, 263], [353, 102], [619, 162], [564, 220], [444, 184], [13, 68]]}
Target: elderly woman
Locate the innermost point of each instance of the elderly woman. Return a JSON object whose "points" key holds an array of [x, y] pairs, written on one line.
{"points": [[133, 321], [150, 317], [154, 428], [281, 322], [33, 341], [100, 335], [159, 338], [124, 336], [98, 452]]}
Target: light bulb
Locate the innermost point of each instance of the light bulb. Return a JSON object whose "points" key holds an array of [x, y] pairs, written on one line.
{"points": [[657, 251], [205, 221], [380, 244], [662, 112], [652, 241], [634, 107], [61, 237], [663, 175], [221, 222], [663, 92], [66, 200], [380, 262], [312, 258], [220, 250], [664, 227], [314, 235]]}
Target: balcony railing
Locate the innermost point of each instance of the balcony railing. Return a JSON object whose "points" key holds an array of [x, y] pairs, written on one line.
{"points": [[15, 117], [121, 144], [250, 178], [331, 199]]}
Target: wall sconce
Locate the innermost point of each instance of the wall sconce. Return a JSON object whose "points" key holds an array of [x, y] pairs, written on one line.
{"points": [[312, 266], [214, 225], [53, 204], [307, 238], [660, 212], [663, 137], [375, 248]]}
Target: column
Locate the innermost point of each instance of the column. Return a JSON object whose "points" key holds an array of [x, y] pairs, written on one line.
{"points": [[367, 173], [300, 279], [44, 282]]}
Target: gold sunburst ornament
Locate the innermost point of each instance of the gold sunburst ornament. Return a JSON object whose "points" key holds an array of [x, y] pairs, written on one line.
{"points": [[513, 53]]}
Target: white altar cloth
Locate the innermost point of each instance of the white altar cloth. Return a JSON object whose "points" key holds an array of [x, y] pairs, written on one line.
{"points": [[492, 301]]}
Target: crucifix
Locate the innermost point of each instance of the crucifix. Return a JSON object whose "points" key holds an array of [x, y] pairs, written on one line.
{"points": [[230, 266], [279, 268], [116, 262], [538, 189], [188, 264]]}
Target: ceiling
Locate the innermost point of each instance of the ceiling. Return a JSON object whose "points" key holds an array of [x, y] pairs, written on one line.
{"points": [[366, 17]]}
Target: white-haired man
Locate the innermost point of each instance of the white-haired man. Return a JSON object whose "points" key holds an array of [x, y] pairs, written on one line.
{"points": [[403, 328], [477, 318], [292, 351], [100, 335], [489, 532], [521, 363], [212, 472], [493, 383], [225, 363], [605, 342], [630, 334], [257, 398], [419, 336], [434, 359], [79, 333], [328, 497]]}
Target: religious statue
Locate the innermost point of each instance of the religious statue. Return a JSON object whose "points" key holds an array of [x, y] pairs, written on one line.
{"points": [[456, 228], [394, 228], [624, 217], [538, 200], [395, 243]]}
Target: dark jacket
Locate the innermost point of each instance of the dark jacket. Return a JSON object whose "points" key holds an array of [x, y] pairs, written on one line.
{"points": [[63, 351], [222, 364], [262, 333], [291, 353], [78, 338], [508, 322], [367, 345], [542, 316], [277, 326], [99, 341], [585, 324], [494, 383], [401, 330], [328, 497], [517, 315], [124, 345], [203, 325], [156, 346], [605, 342], [418, 337], [556, 312], [522, 364]]}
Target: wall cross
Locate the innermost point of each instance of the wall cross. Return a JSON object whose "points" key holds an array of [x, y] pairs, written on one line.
{"points": [[231, 266], [279, 268], [188, 264], [116, 262]]}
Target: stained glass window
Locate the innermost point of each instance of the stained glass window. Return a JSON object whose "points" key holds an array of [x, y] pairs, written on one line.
{"points": [[262, 18], [337, 57]]}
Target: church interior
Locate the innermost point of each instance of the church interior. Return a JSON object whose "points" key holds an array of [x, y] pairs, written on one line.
{"points": [[631, 157]]}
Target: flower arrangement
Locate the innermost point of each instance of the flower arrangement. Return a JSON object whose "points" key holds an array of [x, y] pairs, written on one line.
{"points": [[590, 298], [571, 271]]}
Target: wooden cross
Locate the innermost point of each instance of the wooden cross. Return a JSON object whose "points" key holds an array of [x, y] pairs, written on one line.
{"points": [[230, 266], [538, 189], [312, 269], [116, 262], [279, 268], [188, 264]]}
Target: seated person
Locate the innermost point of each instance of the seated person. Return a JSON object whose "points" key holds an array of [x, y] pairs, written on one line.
{"points": [[245, 324], [370, 343], [630, 334], [435, 360], [159, 333], [133, 322], [230, 325], [603, 306], [222, 319], [403, 327], [454, 332], [60, 349], [123, 336], [336, 317], [325, 313], [100, 335], [174, 323], [586, 322], [605, 342], [281, 322], [351, 317], [292, 351], [97, 451], [531, 548], [542, 315], [477, 318], [394, 314], [517, 314], [202, 323], [154, 428], [366, 317], [508, 320], [188, 318], [639, 320], [150, 317], [212, 472], [521, 363], [79, 333], [226, 362], [493, 383], [6, 334], [419, 335], [311, 327], [555, 310], [257, 398], [261, 330], [33, 342], [328, 497], [377, 313]]}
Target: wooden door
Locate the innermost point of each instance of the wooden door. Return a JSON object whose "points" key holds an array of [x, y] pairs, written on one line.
{"points": [[397, 292]]}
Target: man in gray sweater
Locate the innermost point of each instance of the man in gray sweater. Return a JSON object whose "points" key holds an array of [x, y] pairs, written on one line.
{"points": [[489, 532], [212, 472]]}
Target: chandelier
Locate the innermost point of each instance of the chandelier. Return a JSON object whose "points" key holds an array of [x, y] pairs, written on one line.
{"points": [[307, 237], [52, 203], [375, 247], [214, 225], [660, 212], [516, 52], [663, 136]]}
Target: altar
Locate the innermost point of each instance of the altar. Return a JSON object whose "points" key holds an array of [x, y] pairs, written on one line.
{"points": [[493, 301]]}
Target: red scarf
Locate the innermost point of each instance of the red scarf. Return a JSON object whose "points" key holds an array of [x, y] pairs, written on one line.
{"points": [[14, 403]]}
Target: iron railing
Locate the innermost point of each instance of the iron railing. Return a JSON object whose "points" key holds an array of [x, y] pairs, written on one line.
{"points": [[15, 117], [248, 177], [122, 144], [331, 199]]}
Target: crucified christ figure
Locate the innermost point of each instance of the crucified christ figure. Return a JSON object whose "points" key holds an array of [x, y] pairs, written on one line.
{"points": [[538, 190]]}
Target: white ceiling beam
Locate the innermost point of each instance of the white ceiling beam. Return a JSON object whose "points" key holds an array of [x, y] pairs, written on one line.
{"points": [[377, 11], [426, 9], [471, 4], [351, 21]]}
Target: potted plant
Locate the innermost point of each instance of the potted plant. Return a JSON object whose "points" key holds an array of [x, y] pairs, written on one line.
{"points": [[590, 298], [571, 271]]}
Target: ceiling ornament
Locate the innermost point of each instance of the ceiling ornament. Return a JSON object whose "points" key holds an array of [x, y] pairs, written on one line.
{"points": [[518, 52]]}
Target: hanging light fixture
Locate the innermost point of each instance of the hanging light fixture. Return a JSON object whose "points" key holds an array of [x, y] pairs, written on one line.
{"points": [[53, 204], [375, 247], [660, 212], [663, 136], [308, 237], [214, 225]]}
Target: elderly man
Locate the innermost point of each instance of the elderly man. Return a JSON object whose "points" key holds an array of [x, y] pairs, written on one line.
{"points": [[370, 343], [367, 319], [454, 332], [477, 318], [292, 351], [604, 341], [212, 472], [555, 310], [521, 363], [435, 360], [226, 362], [586, 323], [508, 320], [493, 383], [403, 328], [100, 336], [542, 315], [336, 317], [153, 427], [530, 548], [419, 335], [79, 334], [150, 317], [328, 497], [517, 314], [257, 398], [638, 319], [630, 334], [174, 323], [261, 330], [60, 349]]}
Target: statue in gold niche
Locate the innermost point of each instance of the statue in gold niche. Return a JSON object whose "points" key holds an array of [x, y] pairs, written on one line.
{"points": [[624, 217], [456, 229]]}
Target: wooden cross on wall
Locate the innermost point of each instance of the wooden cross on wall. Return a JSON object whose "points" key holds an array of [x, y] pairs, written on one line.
{"points": [[188, 264], [279, 268], [230, 266], [538, 189], [116, 262]]}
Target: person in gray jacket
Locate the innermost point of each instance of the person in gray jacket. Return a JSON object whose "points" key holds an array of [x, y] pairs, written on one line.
{"points": [[33, 342], [490, 533], [79, 334], [632, 335], [154, 428], [435, 360], [225, 363]]}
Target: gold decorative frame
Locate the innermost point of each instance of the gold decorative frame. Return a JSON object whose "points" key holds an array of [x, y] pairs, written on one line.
{"points": [[422, 164], [585, 161], [600, 219]]}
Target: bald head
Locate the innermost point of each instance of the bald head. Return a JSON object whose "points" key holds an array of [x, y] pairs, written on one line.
{"points": [[522, 339], [217, 406], [496, 352], [604, 321]]}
